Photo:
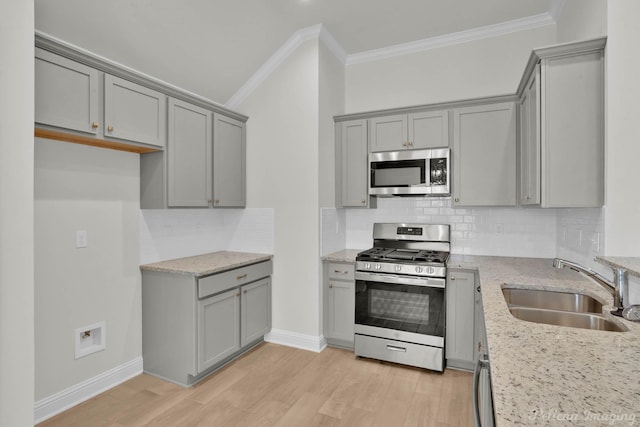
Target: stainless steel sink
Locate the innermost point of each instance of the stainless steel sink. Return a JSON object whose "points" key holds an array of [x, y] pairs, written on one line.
{"points": [[552, 300], [566, 318], [558, 308]]}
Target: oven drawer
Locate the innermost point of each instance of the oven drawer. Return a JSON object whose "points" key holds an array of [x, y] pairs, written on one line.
{"points": [[341, 271], [422, 356]]}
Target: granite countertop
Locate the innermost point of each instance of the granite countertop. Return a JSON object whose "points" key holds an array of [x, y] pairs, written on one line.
{"points": [[552, 375], [346, 255], [206, 264], [631, 264]]}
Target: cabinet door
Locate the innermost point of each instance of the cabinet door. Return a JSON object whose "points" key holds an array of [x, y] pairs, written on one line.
{"points": [[429, 129], [530, 142], [189, 155], [388, 133], [66, 93], [573, 130], [134, 112], [355, 167], [340, 311], [228, 162], [256, 311], [218, 328], [460, 331], [484, 155]]}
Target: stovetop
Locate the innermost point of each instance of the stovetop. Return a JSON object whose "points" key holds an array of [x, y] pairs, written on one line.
{"points": [[382, 254]]}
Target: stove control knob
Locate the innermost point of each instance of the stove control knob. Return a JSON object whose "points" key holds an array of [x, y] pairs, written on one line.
{"points": [[378, 267], [367, 265], [398, 268], [418, 270], [431, 270]]}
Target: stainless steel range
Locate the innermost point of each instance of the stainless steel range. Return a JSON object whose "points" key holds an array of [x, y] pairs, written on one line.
{"points": [[400, 295]]}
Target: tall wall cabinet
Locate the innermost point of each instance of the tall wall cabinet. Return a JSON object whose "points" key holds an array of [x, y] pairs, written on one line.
{"points": [[562, 126]]}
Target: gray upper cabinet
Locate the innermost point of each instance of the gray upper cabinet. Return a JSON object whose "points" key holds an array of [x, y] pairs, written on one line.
{"points": [[66, 93], [570, 122], [427, 129], [352, 182], [484, 155], [530, 141], [229, 144], [189, 155], [133, 112]]}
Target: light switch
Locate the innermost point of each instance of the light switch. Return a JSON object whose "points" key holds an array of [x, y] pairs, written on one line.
{"points": [[81, 238]]}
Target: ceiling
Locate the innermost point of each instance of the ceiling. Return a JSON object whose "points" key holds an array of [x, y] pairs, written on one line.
{"points": [[212, 47]]}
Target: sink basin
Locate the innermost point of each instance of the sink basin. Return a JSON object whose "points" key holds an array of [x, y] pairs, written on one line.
{"points": [[565, 318], [551, 300]]}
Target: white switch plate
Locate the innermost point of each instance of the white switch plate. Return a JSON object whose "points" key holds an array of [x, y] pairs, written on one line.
{"points": [[81, 239]]}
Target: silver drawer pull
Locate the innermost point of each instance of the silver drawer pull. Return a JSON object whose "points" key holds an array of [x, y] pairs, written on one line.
{"points": [[396, 348], [244, 276], [339, 272]]}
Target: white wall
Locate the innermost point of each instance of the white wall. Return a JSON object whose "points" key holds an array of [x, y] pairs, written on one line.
{"points": [[486, 67], [282, 173], [97, 190], [622, 220], [331, 103], [581, 20], [16, 214]]}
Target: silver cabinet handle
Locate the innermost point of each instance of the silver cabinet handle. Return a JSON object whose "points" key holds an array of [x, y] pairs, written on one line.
{"points": [[396, 348], [244, 276]]}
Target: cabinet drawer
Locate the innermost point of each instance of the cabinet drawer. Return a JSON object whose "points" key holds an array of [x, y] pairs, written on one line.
{"points": [[229, 279], [399, 352], [341, 271]]}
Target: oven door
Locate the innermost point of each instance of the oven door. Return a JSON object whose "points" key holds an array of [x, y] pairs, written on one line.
{"points": [[410, 309]]}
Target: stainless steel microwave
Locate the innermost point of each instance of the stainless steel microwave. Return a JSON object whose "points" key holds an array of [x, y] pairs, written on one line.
{"points": [[410, 173]]}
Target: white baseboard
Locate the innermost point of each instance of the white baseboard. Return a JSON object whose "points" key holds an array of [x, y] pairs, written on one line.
{"points": [[294, 339], [74, 395]]}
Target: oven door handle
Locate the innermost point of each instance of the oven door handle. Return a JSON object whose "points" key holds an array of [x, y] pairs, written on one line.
{"points": [[401, 280]]}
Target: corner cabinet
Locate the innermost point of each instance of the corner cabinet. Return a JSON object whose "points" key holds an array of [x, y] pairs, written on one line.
{"points": [[464, 331], [193, 325], [339, 303], [203, 165], [562, 125], [352, 165], [484, 155]]}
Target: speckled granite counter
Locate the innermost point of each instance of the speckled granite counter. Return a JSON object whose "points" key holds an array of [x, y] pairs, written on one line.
{"points": [[346, 255], [206, 264], [631, 264], [552, 375]]}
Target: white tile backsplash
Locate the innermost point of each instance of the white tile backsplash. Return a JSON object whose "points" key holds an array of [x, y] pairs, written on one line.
{"points": [[480, 231], [333, 230], [176, 233], [580, 237]]}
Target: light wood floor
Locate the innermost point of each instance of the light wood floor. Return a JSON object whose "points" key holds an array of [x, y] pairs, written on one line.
{"points": [[273, 385]]}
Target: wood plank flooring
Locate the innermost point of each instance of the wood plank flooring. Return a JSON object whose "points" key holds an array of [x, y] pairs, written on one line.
{"points": [[274, 385]]}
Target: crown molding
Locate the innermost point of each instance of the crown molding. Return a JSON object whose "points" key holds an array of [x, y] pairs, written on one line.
{"points": [[466, 36], [298, 38]]}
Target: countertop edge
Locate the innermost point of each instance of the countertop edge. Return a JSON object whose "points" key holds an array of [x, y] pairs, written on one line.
{"points": [[631, 264], [207, 264]]}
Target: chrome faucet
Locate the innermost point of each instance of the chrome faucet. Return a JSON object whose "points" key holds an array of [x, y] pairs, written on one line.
{"points": [[617, 288]]}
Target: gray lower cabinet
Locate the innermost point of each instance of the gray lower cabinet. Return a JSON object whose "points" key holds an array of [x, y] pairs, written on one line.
{"points": [[193, 325], [484, 155], [562, 125], [425, 129], [352, 167], [339, 303], [462, 327], [71, 96]]}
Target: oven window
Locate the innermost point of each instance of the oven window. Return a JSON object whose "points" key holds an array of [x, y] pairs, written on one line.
{"points": [[409, 308], [398, 173]]}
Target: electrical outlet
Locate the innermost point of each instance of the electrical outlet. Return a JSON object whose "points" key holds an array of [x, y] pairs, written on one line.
{"points": [[81, 239]]}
